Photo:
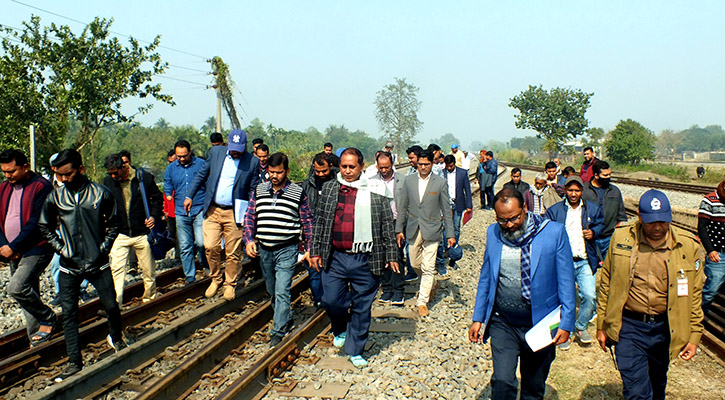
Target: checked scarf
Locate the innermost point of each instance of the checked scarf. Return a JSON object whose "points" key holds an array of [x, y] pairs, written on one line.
{"points": [[534, 224]]}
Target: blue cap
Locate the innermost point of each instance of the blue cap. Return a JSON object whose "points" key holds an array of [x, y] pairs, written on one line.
{"points": [[339, 151], [654, 206], [454, 146], [237, 140], [455, 253]]}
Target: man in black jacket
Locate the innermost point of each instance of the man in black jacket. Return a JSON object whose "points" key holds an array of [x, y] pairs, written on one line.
{"points": [[88, 226], [516, 183], [124, 181], [609, 199]]}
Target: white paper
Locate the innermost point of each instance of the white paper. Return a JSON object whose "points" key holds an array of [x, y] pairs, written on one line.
{"points": [[240, 208], [540, 335]]}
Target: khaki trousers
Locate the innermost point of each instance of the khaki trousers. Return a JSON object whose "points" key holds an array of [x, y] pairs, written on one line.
{"points": [[423, 257], [217, 224], [119, 257]]}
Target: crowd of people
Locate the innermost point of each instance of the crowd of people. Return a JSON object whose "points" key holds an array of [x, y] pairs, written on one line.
{"points": [[359, 230]]}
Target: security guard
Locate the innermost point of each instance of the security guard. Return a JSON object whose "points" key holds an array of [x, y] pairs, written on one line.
{"points": [[649, 297]]}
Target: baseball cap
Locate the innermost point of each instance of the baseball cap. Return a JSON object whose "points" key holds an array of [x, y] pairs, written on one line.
{"points": [[237, 140], [454, 146], [574, 179], [654, 206]]}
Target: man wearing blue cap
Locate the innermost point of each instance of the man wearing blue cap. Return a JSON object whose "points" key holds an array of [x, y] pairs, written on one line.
{"points": [[457, 154], [230, 174], [649, 297]]}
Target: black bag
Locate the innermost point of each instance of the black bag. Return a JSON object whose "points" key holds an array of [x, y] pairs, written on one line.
{"points": [[159, 238]]}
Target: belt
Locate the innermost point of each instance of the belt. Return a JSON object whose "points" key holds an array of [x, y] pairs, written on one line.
{"points": [[644, 317], [577, 259], [223, 207]]}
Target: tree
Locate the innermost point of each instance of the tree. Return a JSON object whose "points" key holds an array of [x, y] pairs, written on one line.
{"points": [[397, 113], [668, 143], [529, 144], [630, 142], [87, 76], [446, 141], [557, 115]]}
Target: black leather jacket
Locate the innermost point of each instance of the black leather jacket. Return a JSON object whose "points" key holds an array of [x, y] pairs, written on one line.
{"points": [[89, 224]]}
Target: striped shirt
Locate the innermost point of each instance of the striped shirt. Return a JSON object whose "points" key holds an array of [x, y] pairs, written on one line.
{"points": [[276, 219]]}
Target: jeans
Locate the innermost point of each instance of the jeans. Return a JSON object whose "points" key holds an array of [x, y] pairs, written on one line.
{"points": [[508, 346], [278, 267], [643, 358], [443, 245], [603, 244], [190, 234], [69, 296], [587, 293], [715, 273], [488, 192], [24, 287], [55, 272], [350, 289]]}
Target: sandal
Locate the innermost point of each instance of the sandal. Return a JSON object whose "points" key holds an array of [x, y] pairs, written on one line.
{"points": [[40, 336]]}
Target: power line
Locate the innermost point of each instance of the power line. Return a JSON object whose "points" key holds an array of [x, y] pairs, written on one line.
{"points": [[190, 69], [180, 80], [115, 33]]}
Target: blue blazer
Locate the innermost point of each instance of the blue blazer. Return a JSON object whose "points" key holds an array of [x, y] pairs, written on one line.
{"points": [[552, 276], [246, 180], [592, 218], [463, 190]]}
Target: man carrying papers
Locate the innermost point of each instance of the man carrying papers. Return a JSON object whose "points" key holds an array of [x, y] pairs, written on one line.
{"points": [[526, 274]]}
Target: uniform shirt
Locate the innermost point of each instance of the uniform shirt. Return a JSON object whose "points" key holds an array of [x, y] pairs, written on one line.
{"points": [[574, 230], [343, 229], [648, 293], [225, 186]]}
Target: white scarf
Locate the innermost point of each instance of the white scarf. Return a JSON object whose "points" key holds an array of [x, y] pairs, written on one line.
{"points": [[362, 240]]}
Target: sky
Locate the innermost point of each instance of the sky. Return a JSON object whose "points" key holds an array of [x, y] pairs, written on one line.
{"points": [[301, 64]]}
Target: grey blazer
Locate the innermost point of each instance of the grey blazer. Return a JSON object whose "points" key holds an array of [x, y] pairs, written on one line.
{"points": [[414, 214]]}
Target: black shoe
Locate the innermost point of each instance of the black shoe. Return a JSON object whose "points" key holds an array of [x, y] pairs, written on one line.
{"points": [[56, 301], [274, 340], [116, 345], [70, 370], [398, 299], [411, 276], [289, 326], [386, 297]]}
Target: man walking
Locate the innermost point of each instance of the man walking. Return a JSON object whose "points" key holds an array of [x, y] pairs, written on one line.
{"points": [[278, 212], [177, 179], [516, 183], [526, 274], [89, 224], [352, 243], [583, 221], [461, 200], [22, 196], [609, 199], [586, 172], [262, 153], [649, 295], [711, 230], [490, 175], [541, 197], [230, 174], [124, 181], [422, 201]]}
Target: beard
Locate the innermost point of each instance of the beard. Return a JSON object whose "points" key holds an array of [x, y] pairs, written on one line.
{"points": [[512, 236]]}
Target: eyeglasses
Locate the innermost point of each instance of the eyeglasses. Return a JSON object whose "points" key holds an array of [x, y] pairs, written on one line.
{"points": [[506, 221]]}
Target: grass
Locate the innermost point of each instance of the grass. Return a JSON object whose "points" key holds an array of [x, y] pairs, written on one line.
{"points": [[675, 172]]}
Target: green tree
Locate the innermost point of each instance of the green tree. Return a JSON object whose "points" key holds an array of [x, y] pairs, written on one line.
{"points": [[397, 113], [630, 143], [446, 141], [87, 76], [557, 115], [529, 144]]}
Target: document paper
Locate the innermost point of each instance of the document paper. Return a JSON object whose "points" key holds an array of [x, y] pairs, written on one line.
{"points": [[542, 334], [240, 208]]}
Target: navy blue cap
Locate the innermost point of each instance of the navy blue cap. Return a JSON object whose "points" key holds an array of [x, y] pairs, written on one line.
{"points": [[455, 253], [654, 206], [237, 140]]}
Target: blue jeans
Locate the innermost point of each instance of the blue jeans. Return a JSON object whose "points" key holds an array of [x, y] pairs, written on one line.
{"points": [[715, 273], [587, 296], [55, 272], [603, 244], [278, 267], [24, 287], [190, 234]]}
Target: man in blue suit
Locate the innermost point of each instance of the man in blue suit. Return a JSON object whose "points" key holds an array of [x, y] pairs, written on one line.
{"points": [[459, 195], [230, 174], [584, 224], [526, 274]]}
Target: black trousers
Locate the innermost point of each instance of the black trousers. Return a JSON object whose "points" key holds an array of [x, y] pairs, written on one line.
{"points": [[489, 196], [393, 282], [507, 347], [643, 357], [70, 286]]}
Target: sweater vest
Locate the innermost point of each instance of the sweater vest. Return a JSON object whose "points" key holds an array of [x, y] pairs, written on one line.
{"points": [[278, 217]]}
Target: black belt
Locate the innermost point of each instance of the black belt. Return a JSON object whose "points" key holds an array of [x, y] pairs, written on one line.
{"points": [[644, 317], [223, 207], [577, 259]]}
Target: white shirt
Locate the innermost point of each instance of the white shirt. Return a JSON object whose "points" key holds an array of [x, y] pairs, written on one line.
{"points": [[390, 185], [452, 185], [466, 162], [575, 231], [422, 186]]}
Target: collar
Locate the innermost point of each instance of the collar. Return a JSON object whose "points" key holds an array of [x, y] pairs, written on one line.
{"points": [[425, 179], [283, 189], [669, 243], [193, 160]]}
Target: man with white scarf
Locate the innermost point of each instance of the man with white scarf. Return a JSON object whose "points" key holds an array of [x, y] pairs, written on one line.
{"points": [[352, 243], [423, 200]]}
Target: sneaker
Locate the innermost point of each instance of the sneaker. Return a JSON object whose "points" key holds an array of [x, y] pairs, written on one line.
{"points": [[339, 341], [116, 345], [411, 276], [56, 301], [358, 361], [70, 370], [565, 346], [398, 299], [386, 297], [443, 275], [584, 337]]}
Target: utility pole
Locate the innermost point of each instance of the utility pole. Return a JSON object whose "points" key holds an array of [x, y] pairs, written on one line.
{"points": [[31, 129], [218, 110]]}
